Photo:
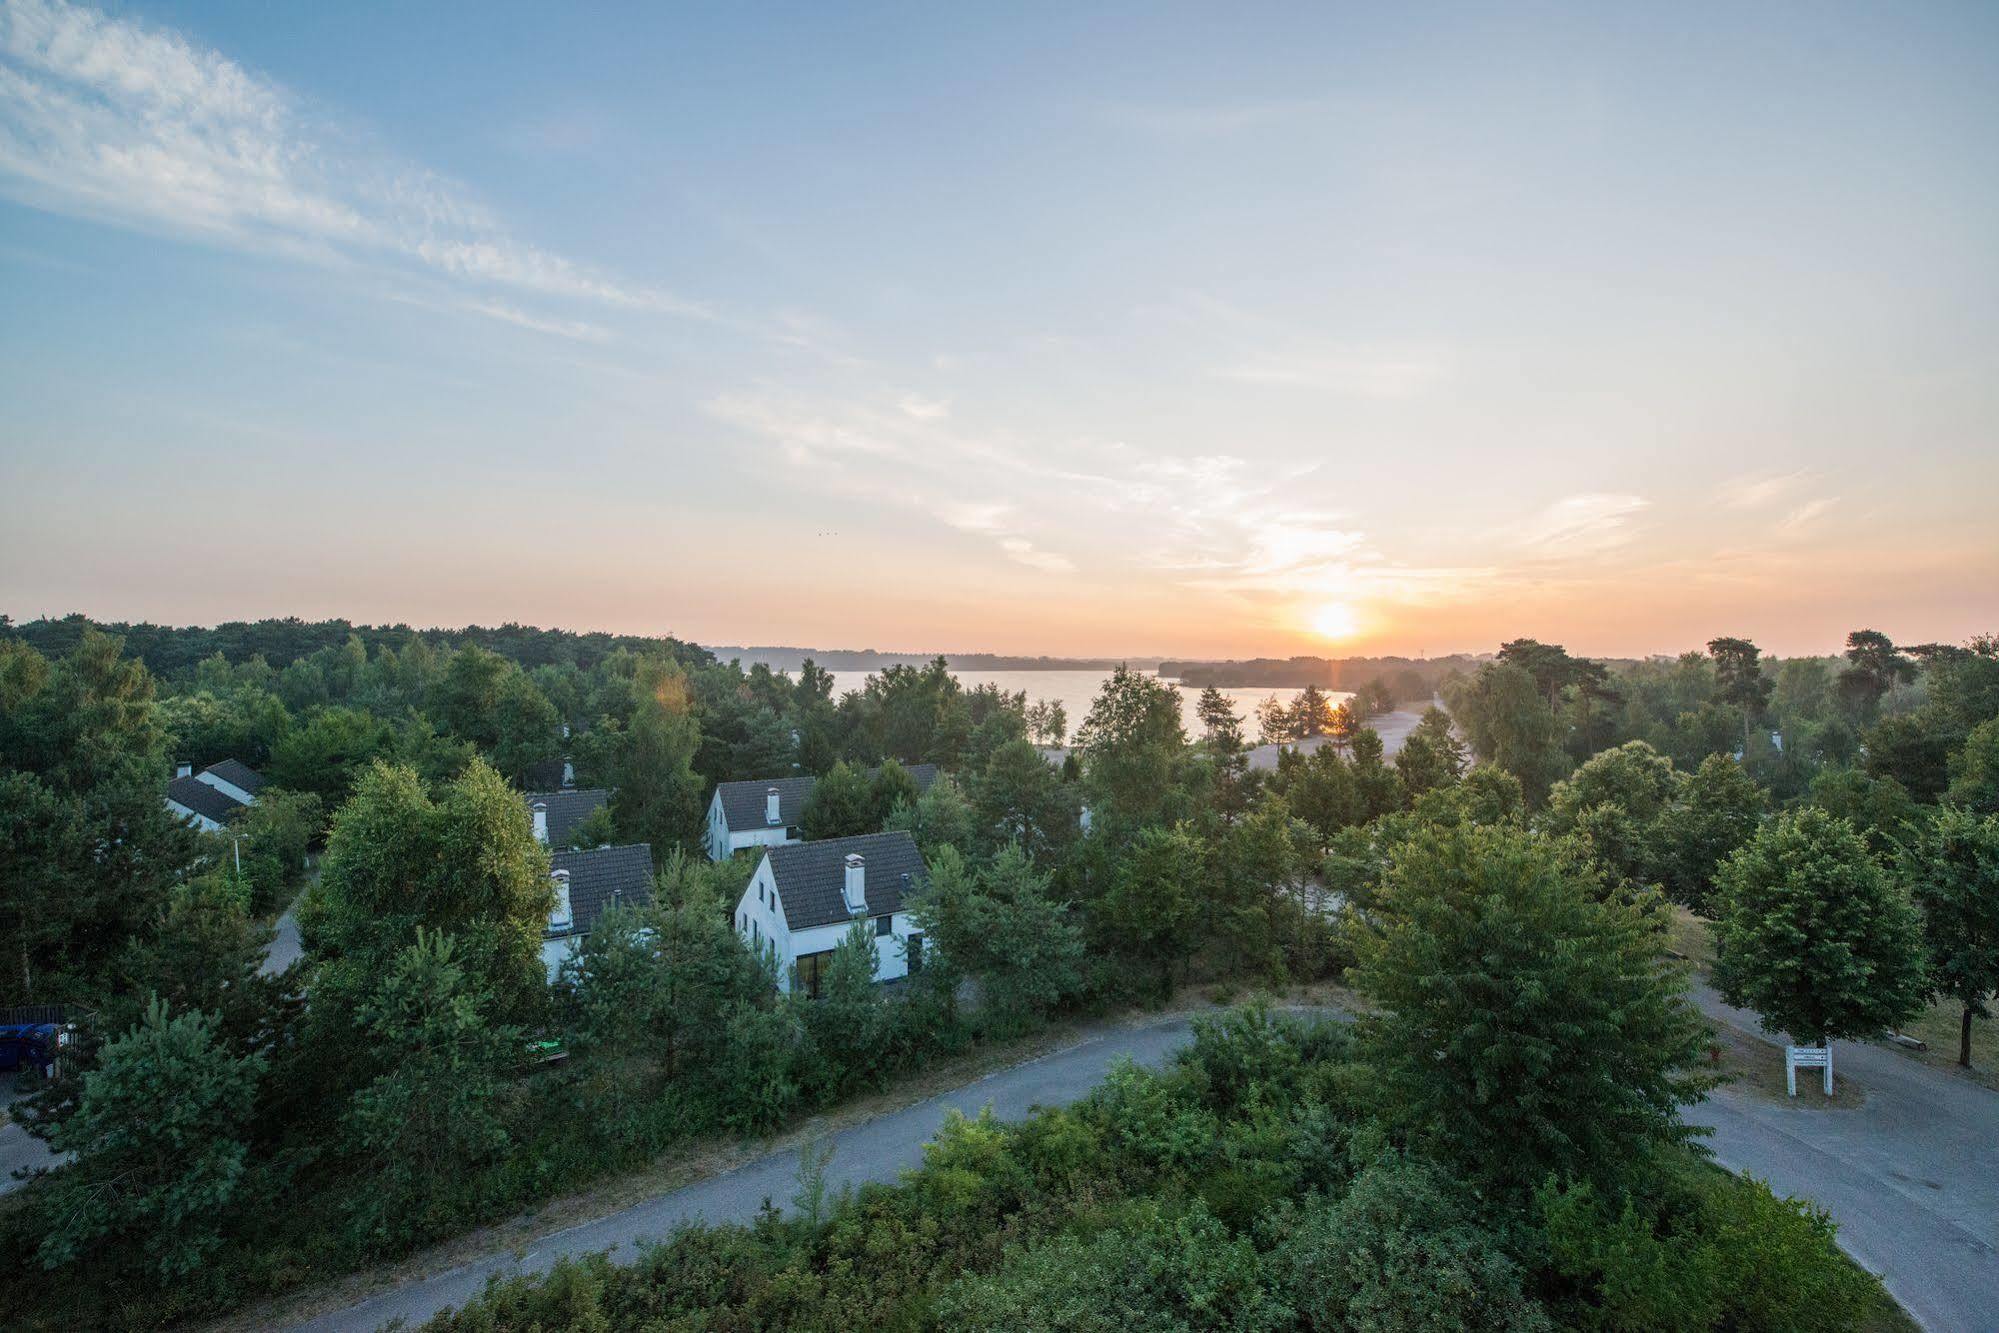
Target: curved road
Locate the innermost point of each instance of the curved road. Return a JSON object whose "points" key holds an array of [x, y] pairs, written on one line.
{"points": [[1911, 1176]]}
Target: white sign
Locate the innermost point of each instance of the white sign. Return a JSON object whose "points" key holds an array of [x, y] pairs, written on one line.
{"points": [[1807, 1057]]}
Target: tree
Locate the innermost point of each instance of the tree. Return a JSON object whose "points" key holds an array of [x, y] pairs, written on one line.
{"points": [[941, 817], [1813, 935], [1021, 799], [1874, 666], [523, 727], [1879, 809], [1549, 664], [1616, 800], [1974, 770], [1377, 787], [158, 1143], [464, 863], [1739, 680], [88, 849], [1431, 755], [1152, 913], [649, 761], [1221, 734], [432, 1118], [1400, 1249], [1047, 721], [1525, 1022], [891, 786], [1312, 714], [1951, 868], [842, 803], [1717, 809], [1507, 719], [329, 750], [1130, 743], [1002, 927]]}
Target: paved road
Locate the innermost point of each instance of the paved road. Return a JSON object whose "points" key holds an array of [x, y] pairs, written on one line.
{"points": [[1912, 1176], [877, 1150]]}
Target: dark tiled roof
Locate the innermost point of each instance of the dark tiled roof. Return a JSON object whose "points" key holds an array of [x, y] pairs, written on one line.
{"points": [[810, 876], [743, 802], [598, 877], [203, 799], [237, 774], [567, 809]]}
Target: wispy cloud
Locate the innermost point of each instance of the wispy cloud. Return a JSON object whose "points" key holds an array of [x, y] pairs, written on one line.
{"points": [[1753, 490], [1806, 514], [925, 409], [1579, 525], [116, 121], [575, 329]]}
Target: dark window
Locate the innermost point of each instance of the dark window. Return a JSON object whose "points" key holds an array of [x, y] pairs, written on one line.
{"points": [[882, 925], [812, 969], [915, 946]]}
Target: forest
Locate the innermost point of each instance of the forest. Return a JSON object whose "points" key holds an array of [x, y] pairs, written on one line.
{"points": [[232, 1141]]}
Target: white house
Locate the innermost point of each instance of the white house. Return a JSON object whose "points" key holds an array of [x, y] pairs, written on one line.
{"points": [[765, 813], [805, 896], [557, 814], [209, 798], [586, 884]]}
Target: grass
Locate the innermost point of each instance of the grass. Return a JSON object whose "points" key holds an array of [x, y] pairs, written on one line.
{"points": [[1692, 937]]}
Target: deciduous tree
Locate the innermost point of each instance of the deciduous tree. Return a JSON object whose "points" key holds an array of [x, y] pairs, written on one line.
{"points": [[1951, 867]]}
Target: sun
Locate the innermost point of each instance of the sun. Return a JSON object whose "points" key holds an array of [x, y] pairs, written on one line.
{"points": [[1334, 620]]}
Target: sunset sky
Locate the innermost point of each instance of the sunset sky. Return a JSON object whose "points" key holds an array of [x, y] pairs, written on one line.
{"points": [[1217, 329]]}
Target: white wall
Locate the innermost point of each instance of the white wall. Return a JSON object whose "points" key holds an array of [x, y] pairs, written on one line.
{"points": [[760, 920], [202, 822], [554, 951], [723, 842]]}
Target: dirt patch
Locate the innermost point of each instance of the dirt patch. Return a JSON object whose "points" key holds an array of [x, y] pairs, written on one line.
{"points": [[1754, 1067]]}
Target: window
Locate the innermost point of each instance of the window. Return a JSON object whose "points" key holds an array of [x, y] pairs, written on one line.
{"points": [[811, 970], [742, 922], [915, 946], [882, 925]]}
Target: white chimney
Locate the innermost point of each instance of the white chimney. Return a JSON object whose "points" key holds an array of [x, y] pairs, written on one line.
{"points": [[541, 822], [183, 769], [559, 916], [770, 805], [856, 887], [568, 774]]}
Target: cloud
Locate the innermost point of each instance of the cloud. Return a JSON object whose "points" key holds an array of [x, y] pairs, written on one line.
{"points": [[1357, 374], [1753, 490], [115, 121], [562, 328], [1023, 550], [925, 409], [1806, 514], [1579, 525]]}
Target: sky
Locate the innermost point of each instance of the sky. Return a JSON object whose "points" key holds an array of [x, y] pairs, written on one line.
{"points": [[1148, 329]]}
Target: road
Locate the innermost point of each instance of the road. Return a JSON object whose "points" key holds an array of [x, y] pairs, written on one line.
{"points": [[20, 1150], [1912, 1176]]}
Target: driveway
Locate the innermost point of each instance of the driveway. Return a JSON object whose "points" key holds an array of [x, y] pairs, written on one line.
{"points": [[20, 1150], [1911, 1175]]}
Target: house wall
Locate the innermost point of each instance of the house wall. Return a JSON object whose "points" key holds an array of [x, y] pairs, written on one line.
{"points": [[760, 920], [724, 842], [554, 951]]}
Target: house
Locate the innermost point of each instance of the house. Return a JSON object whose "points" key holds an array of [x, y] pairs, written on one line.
{"points": [[557, 814], [765, 813], [586, 884], [805, 896], [209, 798]]}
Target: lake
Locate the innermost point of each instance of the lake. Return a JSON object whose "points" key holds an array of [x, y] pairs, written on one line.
{"points": [[1076, 690]]}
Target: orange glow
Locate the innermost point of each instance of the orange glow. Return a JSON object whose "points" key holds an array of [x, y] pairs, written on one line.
{"points": [[1335, 620]]}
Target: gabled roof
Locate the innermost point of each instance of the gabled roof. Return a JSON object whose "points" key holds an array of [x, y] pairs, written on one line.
{"points": [[602, 876], [811, 876], [743, 804], [206, 801], [567, 809], [237, 774]]}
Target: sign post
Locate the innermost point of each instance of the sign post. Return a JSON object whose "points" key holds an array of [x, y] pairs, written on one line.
{"points": [[1807, 1057]]}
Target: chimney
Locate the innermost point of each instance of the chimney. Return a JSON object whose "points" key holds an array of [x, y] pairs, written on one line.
{"points": [[541, 822], [559, 916], [568, 774], [770, 805], [856, 887], [183, 769]]}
